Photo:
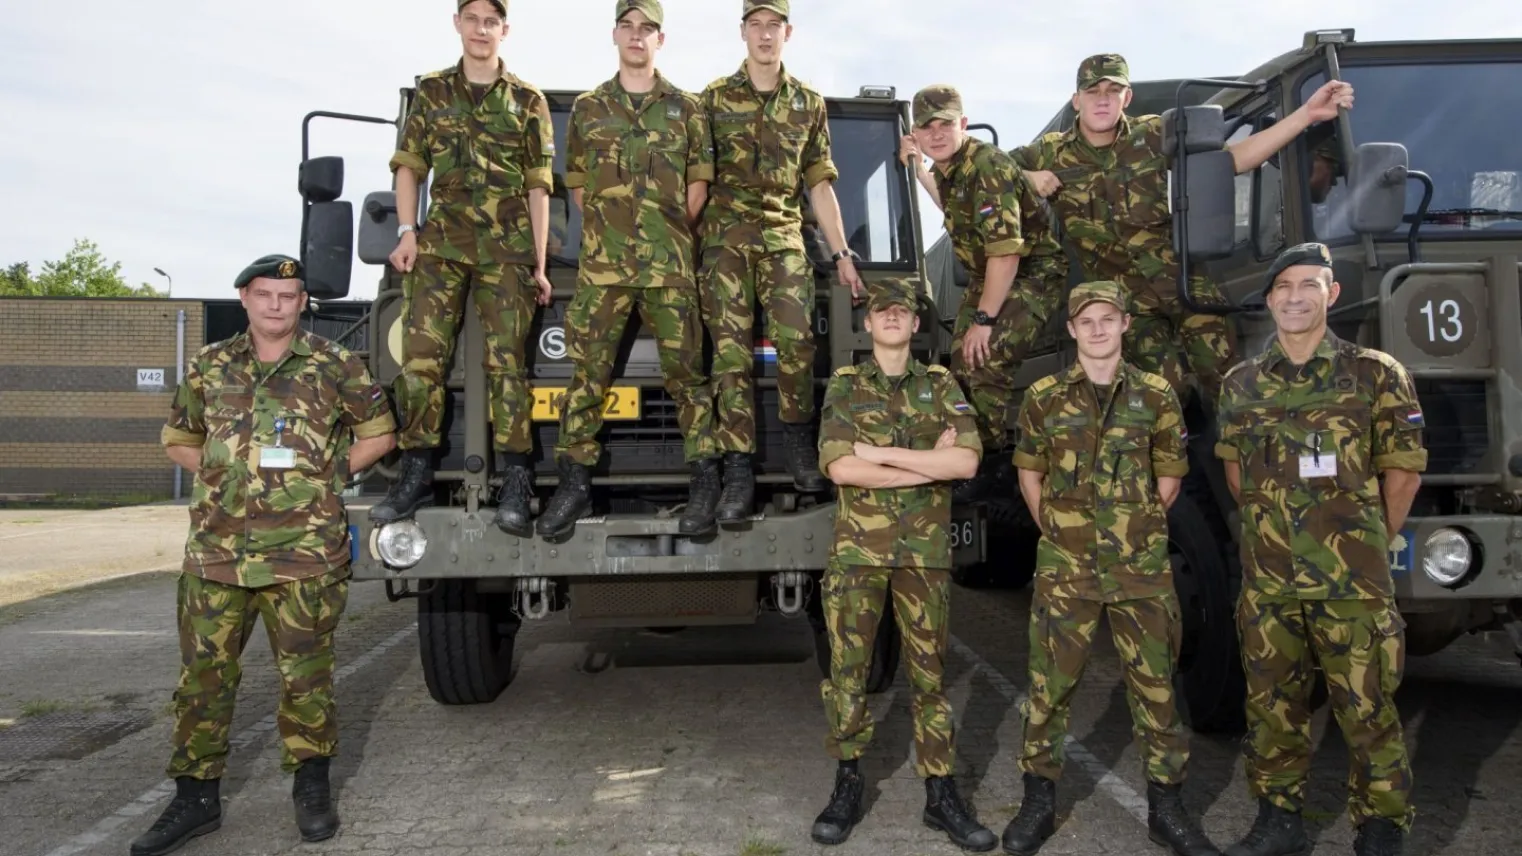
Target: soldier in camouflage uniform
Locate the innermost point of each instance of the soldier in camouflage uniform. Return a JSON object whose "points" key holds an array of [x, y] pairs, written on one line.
{"points": [[1322, 442], [771, 140], [1000, 234], [1101, 457], [638, 163], [487, 138], [272, 423], [893, 433], [1107, 181]]}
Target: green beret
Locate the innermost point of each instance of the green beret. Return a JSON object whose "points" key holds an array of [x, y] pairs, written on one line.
{"points": [[892, 292], [270, 267], [1300, 254], [1103, 291]]}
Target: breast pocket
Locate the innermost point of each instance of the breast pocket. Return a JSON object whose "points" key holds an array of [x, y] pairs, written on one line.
{"points": [[447, 148], [308, 438], [1144, 196], [668, 169], [1127, 469], [503, 154], [735, 147], [605, 167], [788, 148]]}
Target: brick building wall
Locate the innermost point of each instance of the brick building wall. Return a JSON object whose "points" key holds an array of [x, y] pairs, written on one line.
{"points": [[73, 419]]}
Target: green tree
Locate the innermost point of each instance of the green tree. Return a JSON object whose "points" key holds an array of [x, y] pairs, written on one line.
{"points": [[82, 272]]}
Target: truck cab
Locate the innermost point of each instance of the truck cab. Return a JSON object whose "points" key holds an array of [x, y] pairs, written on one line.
{"points": [[628, 566]]}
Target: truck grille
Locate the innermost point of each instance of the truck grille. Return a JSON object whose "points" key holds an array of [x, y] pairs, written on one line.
{"points": [[1458, 425]]}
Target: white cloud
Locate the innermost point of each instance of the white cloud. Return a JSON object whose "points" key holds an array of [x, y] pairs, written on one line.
{"points": [[169, 132]]}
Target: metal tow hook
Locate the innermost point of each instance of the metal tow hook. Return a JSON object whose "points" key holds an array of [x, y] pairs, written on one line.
{"points": [[790, 591], [526, 589]]}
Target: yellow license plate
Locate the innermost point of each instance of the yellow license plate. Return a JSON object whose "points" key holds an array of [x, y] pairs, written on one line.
{"points": [[621, 402]]}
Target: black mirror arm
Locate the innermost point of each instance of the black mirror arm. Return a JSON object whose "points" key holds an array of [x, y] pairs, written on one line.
{"points": [[1413, 247]]}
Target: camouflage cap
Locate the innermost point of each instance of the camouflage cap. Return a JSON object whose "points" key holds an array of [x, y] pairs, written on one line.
{"points": [[753, 6], [892, 292], [937, 101], [1103, 291], [1310, 253], [269, 267], [500, 4], [1103, 67], [651, 8]]}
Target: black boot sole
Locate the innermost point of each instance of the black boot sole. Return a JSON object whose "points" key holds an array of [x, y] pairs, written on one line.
{"points": [[708, 528], [1029, 851], [831, 842], [566, 530], [1163, 842], [940, 827], [523, 530], [203, 829], [320, 834], [404, 514]]}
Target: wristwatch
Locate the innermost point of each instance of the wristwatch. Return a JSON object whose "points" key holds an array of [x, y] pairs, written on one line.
{"points": [[404, 229], [846, 253], [983, 319]]}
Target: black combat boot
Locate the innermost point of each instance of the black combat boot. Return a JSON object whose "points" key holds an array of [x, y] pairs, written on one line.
{"points": [[1378, 836], [412, 489], [944, 810], [834, 824], [195, 810], [702, 498], [799, 444], [316, 816], [1169, 823], [1276, 832], [512, 498], [571, 502], [739, 488], [1037, 819]]}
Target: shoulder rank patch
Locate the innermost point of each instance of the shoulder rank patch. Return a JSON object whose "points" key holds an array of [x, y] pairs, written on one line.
{"points": [[674, 110], [798, 101]]}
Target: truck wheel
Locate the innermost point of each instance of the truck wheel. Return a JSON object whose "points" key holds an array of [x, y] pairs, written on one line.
{"points": [[1209, 681], [887, 648], [1011, 549], [466, 641]]}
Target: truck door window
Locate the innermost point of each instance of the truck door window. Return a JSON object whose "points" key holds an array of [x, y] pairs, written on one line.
{"points": [[1268, 203]]}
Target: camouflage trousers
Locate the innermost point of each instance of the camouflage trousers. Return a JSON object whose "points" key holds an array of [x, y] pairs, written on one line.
{"points": [[733, 278], [433, 305], [1146, 633], [1361, 648], [1169, 341], [215, 623], [855, 602], [594, 329], [991, 386]]}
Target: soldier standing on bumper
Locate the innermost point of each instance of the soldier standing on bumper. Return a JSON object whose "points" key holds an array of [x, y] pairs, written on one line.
{"points": [[264, 422], [1000, 234], [1107, 179], [1307, 430], [770, 139], [638, 162], [1101, 458], [894, 432], [487, 137]]}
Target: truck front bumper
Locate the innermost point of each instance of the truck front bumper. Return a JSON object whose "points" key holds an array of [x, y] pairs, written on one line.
{"points": [[1496, 569]]}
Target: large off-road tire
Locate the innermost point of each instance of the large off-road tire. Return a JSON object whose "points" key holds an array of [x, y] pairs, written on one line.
{"points": [[1011, 549], [466, 642], [887, 649], [1210, 683]]}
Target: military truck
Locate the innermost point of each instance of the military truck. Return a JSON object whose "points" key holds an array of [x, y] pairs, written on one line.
{"points": [[1418, 192], [628, 566]]}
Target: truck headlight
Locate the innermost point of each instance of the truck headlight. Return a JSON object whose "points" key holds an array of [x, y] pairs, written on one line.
{"points": [[401, 544], [1448, 556]]}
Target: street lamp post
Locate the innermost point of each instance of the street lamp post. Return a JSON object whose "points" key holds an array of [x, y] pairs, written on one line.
{"points": [[160, 272]]}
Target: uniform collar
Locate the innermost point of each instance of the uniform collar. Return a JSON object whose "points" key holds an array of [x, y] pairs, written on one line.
{"points": [[1125, 375], [784, 80], [962, 159], [1274, 358], [462, 82], [659, 91], [301, 345], [1075, 137], [872, 370]]}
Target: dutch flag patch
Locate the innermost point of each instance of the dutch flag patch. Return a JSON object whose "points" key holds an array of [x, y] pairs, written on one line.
{"points": [[985, 210], [1414, 418], [962, 407]]}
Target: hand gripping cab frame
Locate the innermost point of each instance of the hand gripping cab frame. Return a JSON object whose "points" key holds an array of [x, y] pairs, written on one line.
{"points": [[629, 566]]}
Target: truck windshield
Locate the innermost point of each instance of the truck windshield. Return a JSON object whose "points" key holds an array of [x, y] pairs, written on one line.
{"points": [[1456, 121], [872, 189]]}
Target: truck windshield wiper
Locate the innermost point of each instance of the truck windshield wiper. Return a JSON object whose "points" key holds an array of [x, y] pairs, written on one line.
{"points": [[1436, 213]]}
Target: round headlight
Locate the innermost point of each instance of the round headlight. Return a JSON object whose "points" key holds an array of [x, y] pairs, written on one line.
{"points": [[1448, 556], [401, 544]]}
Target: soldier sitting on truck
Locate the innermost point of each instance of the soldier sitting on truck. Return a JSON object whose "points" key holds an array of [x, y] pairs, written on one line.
{"points": [[1107, 178], [487, 137], [638, 162], [770, 137]]}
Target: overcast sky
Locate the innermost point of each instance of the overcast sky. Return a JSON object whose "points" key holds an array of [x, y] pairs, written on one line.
{"points": [[169, 131]]}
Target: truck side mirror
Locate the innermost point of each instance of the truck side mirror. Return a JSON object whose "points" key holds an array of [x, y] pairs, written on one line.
{"points": [[328, 251], [1210, 205], [1377, 187], [321, 179], [377, 228], [1204, 130]]}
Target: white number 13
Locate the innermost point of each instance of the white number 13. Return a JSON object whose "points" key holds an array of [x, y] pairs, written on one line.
{"points": [[1449, 312]]}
